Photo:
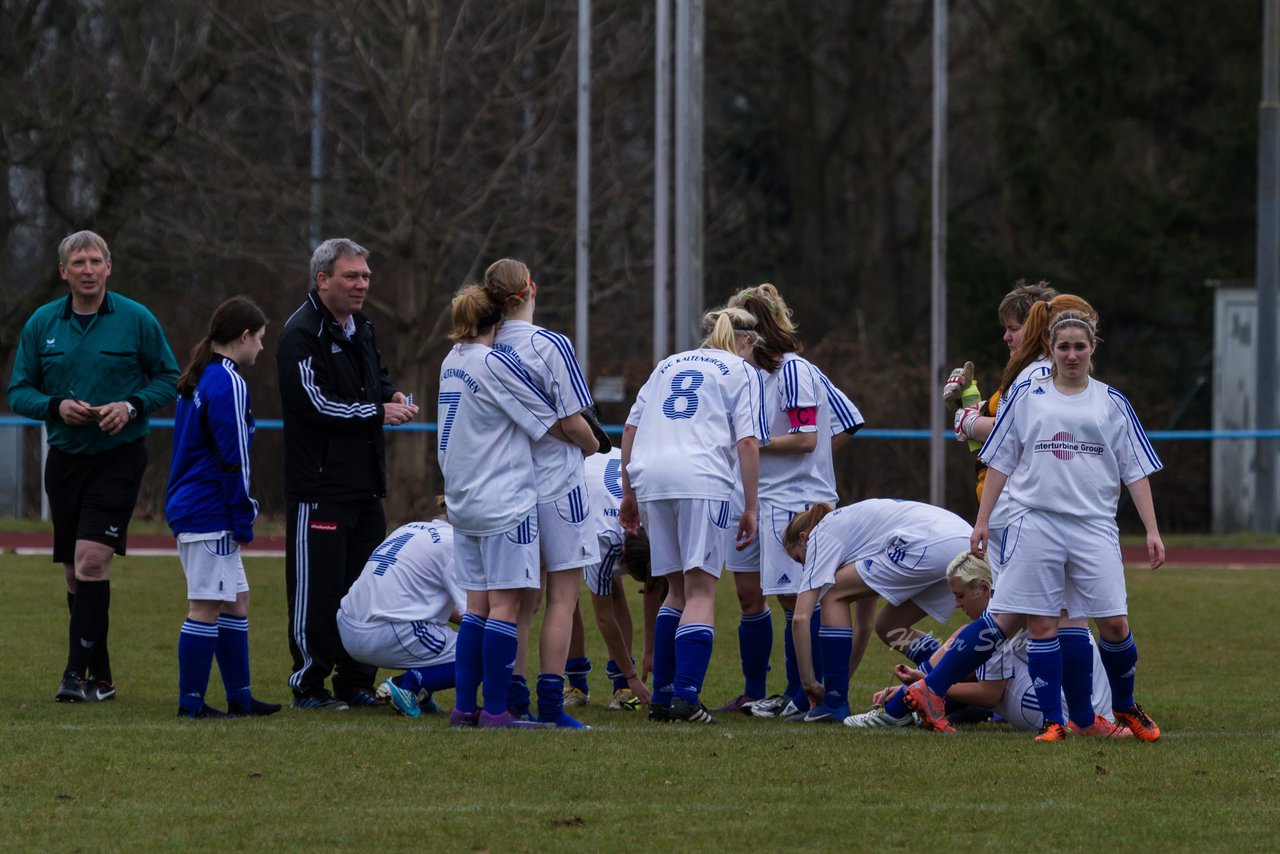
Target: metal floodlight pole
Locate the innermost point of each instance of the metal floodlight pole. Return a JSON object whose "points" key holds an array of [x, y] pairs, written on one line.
{"points": [[582, 271], [938, 256], [661, 177], [317, 138], [690, 23], [1268, 267]]}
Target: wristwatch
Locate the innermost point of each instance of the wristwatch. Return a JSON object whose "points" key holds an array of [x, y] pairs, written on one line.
{"points": [[132, 410]]}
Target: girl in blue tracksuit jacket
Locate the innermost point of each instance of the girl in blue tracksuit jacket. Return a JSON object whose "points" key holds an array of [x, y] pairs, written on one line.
{"points": [[210, 511]]}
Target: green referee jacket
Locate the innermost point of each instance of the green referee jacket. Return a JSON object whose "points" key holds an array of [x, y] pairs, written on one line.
{"points": [[121, 355]]}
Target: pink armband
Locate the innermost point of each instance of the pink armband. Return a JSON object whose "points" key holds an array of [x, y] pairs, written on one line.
{"points": [[802, 416]]}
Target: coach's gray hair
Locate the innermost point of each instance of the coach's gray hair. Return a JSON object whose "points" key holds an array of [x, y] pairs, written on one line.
{"points": [[327, 253], [82, 240]]}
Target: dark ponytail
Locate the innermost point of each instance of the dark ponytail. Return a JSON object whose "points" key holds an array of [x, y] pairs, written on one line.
{"points": [[230, 320]]}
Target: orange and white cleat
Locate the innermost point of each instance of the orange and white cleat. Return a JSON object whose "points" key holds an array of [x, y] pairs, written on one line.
{"points": [[1052, 731], [929, 706], [1138, 722], [1101, 726]]}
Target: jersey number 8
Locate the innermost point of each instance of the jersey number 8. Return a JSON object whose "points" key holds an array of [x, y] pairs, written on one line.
{"points": [[684, 386]]}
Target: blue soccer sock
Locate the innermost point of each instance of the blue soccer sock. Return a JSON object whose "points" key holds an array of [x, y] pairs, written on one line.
{"points": [[1077, 673], [468, 662], [693, 643], [922, 649], [976, 643], [518, 698], [437, 677], [576, 670], [499, 657], [789, 657], [837, 646], [197, 644], [664, 654], [897, 704], [233, 658], [550, 697], [1044, 665], [1121, 661], [755, 645], [815, 645], [614, 673]]}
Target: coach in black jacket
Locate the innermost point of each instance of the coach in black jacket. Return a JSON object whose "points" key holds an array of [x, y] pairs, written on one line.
{"points": [[336, 398]]}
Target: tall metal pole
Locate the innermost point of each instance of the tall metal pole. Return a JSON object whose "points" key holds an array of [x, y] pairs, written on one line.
{"points": [[582, 271], [317, 139], [690, 21], [661, 177], [938, 255], [1268, 271]]}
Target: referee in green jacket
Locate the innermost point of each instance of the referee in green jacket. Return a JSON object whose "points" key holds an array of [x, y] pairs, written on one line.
{"points": [[92, 366]]}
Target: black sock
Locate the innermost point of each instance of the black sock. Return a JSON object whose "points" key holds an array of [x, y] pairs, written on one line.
{"points": [[88, 618], [100, 660]]}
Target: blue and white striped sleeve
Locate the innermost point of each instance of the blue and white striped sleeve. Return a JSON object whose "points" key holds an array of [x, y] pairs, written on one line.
{"points": [[227, 412], [1134, 454], [799, 388], [1003, 448], [749, 417], [845, 417], [566, 384], [519, 395]]}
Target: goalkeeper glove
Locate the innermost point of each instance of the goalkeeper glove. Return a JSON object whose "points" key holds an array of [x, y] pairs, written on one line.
{"points": [[965, 421]]}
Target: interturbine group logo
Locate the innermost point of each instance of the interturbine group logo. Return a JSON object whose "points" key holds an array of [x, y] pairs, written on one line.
{"points": [[1065, 446]]}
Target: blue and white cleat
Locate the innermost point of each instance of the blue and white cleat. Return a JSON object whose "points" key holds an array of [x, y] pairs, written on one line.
{"points": [[399, 699]]}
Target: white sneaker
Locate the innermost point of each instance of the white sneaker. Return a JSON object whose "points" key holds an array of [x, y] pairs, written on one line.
{"points": [[398, 698], [769, 707], [875, 719]]}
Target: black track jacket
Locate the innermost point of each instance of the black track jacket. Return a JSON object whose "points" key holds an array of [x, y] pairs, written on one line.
{"points": [[332, 390]]}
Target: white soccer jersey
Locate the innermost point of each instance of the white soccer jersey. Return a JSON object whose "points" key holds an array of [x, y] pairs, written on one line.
{"points": [[490, 412], [793, 481], [901, 531], [604, 489], [548, 357], [408, 577], [689, 416], [1068, 454], [1041, 368], [844, 415]]}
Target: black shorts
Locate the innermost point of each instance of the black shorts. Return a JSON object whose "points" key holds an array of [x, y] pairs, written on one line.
{"points": [[91, 496]]}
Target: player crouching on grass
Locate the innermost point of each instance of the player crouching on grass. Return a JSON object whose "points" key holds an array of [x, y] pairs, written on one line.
{"points": [[397, 612], [1063, 446], [209, 509], [853, 556], [1002, 685]]}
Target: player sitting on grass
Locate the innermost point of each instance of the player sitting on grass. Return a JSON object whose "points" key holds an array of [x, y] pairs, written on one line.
{"points": [[878, 548], [397, 612], [1003, 684], [1063, 444]]}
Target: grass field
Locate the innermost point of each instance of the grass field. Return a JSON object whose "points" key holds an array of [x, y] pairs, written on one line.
{"points": [[129, 774]]}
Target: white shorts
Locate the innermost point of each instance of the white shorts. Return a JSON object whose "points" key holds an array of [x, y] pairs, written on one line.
{"points": [[1053, 562], [1020, 706], [398, 645], [747, 560], [685, 534], [567, 532], [600, 575], [213, 567], [897, 575], [506, 561], [779, 574]]}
